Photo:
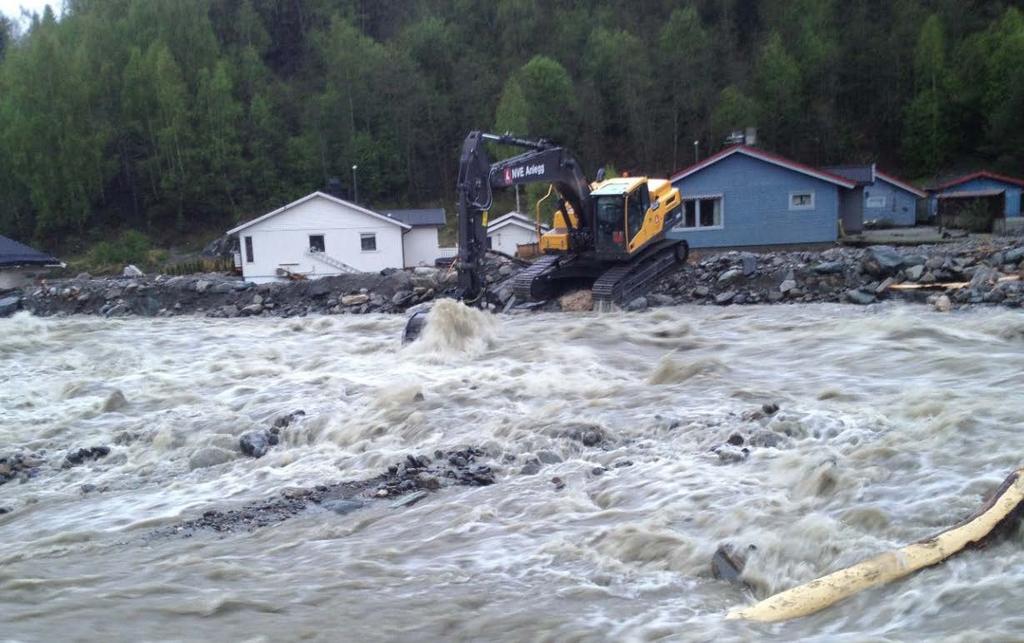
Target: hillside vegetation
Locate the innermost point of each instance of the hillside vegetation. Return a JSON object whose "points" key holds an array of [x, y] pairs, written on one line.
{"points": [[168, 116]]}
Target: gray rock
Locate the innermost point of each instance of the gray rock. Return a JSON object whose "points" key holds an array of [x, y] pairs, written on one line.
{"points": [[787, 285], [549, 457], [254, 443], [131, 271], [223, 288], [640, 303], [701, 291], [342, 507], [749, 264], [9, 305], [882, 261], [530, 468], [251, 309], [203, 285], [943, 304], [1014, 255], [915, 272], [882, 287], [728, 563], [209, 457], [829, 267], [860, 297], [230, 310], [724, 298], [729, 276]]}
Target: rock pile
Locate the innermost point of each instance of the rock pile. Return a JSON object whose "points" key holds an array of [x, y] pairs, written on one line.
{"points": [[986, 273], [409, 480]]}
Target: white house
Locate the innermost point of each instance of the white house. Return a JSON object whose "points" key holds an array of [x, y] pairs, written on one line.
{"points": [[510, 230], [321, 235]]}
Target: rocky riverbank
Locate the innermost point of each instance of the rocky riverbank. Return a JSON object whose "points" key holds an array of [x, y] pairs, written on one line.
{"points": [[967, 272]]}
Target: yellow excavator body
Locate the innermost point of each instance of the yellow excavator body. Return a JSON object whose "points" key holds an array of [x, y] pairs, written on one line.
{"points": [[660, 200]]}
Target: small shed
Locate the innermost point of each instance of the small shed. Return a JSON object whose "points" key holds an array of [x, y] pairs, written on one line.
{"points": [[20, 265], [511, 230], [317, 236], [744, 196], [886, 198], [421, 243], [983, 182]]}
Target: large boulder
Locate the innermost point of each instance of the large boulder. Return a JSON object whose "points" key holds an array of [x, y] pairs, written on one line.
{"points": [[882, 261]]}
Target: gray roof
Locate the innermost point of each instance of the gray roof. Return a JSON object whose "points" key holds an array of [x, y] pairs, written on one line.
{"points": [[859, 174], [13, 253], [418, 217]]}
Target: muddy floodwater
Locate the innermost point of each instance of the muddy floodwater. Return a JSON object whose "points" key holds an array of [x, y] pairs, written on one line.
{"points": [[893, 423]]}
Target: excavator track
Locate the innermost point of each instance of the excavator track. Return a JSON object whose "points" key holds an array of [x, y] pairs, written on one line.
{"points": [[623, 283], [532, 284]]}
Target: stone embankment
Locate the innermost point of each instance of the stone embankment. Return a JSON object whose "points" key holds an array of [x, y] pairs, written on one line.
{"points": [[968, 272]]}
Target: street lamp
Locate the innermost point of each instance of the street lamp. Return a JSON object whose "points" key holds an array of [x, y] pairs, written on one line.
{"points": [[696, 151], [355, 186]]}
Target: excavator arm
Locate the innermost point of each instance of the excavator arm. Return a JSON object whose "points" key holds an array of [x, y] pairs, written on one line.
{"points": [[543, 162]]}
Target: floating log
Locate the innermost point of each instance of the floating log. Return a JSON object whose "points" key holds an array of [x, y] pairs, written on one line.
{"points": [[1003, 510], [947, 285]]}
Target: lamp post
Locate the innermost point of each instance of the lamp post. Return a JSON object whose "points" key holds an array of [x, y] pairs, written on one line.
{"points": [[696, 151], [355, 186]]}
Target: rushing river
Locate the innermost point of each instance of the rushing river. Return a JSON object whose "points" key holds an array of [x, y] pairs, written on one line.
{"points": [[895, 423]]}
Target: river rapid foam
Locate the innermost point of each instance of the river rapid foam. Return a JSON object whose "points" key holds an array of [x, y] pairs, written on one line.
{"points": [[894, 423]]}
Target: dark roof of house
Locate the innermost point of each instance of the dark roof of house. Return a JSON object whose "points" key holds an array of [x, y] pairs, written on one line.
{"points": [[418, 217], [13, 253], [971, 194], [859, 174], [984, 174]]}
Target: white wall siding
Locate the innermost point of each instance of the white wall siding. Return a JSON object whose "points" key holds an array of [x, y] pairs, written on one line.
{"points": [[283, 240], [421, 247], [507, 237]]}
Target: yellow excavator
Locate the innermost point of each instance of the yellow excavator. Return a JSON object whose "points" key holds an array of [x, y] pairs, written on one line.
{"points": [[608, 235]]}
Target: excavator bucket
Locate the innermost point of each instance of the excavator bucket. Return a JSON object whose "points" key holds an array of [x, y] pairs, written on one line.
{"points": [[414, 327]]}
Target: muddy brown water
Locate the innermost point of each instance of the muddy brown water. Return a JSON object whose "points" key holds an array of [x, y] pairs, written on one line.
{"points": [[896, 421]]}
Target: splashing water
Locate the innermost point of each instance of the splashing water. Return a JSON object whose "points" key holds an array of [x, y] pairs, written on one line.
{"points": [[894, 424]]}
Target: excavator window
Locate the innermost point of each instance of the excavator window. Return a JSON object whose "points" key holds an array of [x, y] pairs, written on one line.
{"points": [[610, 215]]}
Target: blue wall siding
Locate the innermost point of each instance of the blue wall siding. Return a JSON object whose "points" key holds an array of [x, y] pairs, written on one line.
{"points": [[1012, 194], [900, 205], [755, 205]]}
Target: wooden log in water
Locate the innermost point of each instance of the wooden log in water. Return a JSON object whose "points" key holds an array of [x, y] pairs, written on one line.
{"points": [[1001, 512]]}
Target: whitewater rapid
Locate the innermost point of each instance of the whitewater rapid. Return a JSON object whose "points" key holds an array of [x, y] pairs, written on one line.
{"points": [[894, 422]]}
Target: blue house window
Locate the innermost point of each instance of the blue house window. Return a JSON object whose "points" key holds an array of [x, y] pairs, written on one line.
{"points": [[802, 200], [876, 202], [702, 212]]}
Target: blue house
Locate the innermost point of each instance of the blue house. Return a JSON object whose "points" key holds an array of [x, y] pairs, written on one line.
{"points": [[982, 184], [886, 198], [744, 196]]}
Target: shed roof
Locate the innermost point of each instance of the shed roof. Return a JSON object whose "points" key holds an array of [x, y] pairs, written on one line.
{"points": [[419, 216], [13, 253], [971, 194], [983, 174], [767, 157], [517, 219], [892, 180], [308, 197]]}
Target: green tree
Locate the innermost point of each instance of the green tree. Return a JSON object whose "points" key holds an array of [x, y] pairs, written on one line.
{"points": [[735, 110], [779, 95], [925, 137], [685, 54]]}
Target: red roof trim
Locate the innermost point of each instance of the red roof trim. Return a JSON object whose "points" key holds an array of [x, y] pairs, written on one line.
{"points": [[769, 158], [888, 178], [983, 174]]}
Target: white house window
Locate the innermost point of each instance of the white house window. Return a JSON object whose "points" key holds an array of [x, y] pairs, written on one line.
{"points": [[368, 241], [702, 212], [316, 243], [801, 200], [248, 250], [875, 202]]}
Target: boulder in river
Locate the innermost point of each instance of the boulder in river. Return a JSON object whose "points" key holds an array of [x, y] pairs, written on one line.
{"points": [[254, 443]]}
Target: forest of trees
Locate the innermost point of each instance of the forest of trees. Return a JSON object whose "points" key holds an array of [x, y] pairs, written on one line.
{"points": [[172, 115]]}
